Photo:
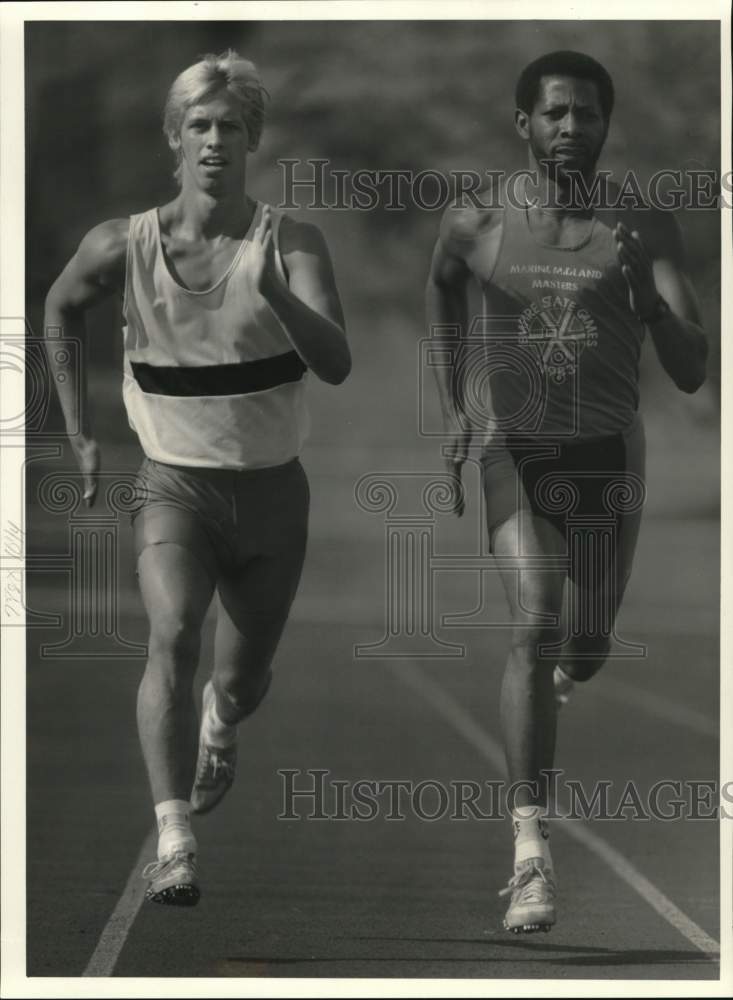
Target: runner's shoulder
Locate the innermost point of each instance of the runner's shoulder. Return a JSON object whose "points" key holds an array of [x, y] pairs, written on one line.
{"points": [[467, 220], [296, 235], [104, 248]]}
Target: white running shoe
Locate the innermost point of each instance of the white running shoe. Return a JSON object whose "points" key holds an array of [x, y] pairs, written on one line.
{"points": [[532, 907], [173, 880], [215, 766]]}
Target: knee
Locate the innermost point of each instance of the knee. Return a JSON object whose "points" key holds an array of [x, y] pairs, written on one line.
{"points": [[174, 639], [532, 646]]}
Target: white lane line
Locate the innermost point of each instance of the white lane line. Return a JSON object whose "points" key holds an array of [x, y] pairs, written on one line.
{"points": [[659, 706], [114, 935], [631, 875], [118, 926], [466, 726]]}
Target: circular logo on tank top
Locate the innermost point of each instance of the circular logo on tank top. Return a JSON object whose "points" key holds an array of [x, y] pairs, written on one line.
{"points": [[558, 331]]}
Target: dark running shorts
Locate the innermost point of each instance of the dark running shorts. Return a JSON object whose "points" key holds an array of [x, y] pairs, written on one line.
{"points": [[226, 518], [570, 484]]}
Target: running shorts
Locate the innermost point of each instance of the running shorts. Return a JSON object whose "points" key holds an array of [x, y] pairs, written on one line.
{"points": [[225, 517], [592, 484]]}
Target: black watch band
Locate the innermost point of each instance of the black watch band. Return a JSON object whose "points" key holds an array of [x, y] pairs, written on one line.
{"points": [[660, 310]]}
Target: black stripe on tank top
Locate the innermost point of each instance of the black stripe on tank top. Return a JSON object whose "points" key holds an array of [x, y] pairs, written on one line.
{"points": [[219, 380]]}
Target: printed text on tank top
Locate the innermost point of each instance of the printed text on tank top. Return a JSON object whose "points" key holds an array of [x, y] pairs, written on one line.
{"points": [[556, 303]]}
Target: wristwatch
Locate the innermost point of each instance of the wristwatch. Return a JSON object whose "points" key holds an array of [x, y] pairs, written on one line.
{"points": [[660, 310]]}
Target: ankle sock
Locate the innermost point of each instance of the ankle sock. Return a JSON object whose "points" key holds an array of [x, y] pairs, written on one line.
{"points": [[531, 836], [174, 828]]}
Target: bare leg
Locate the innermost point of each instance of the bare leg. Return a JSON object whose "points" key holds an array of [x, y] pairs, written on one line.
{"points": [[592, 604], [528, 712], [601, 570], [254, 603], [253, 610], [176, 593]]}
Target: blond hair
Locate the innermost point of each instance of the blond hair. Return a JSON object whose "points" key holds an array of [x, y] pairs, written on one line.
{"points": [[227, 71]]}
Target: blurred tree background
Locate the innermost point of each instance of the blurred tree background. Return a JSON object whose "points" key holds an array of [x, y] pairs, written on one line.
{"points": [[379, 95]]}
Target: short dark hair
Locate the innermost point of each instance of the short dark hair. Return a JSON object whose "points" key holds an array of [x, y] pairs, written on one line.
{"points": [[563, 63]]}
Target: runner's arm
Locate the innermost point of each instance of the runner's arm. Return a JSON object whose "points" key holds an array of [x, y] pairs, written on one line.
{"points": [[308, 307], [446, 307], [677, 334], [94, 273]]}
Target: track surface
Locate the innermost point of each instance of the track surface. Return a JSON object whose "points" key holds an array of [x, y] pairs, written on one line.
{"points": [[385, 898]]}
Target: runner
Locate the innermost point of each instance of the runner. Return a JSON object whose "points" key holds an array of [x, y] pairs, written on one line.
{"points": [[570, 284], [227, 304]]}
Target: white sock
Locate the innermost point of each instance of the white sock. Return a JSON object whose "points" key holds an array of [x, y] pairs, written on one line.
{"points": [[214, 731], [531, 836], [174, 828]]}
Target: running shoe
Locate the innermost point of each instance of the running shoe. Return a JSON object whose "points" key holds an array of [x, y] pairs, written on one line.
{"points": [[532, 907], [173, 880], [215, 766]]}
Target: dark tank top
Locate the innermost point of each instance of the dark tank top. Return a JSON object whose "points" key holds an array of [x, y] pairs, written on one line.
{"points": [[562, 346]]}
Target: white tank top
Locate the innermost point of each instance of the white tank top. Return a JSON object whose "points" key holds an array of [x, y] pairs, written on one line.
{"points": [[210, 378]]}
